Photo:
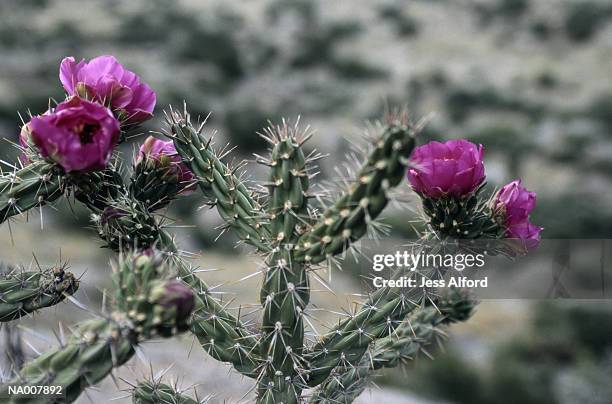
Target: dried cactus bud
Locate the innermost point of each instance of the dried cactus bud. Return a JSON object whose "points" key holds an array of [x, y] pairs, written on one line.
{"points": [[26, 292]]}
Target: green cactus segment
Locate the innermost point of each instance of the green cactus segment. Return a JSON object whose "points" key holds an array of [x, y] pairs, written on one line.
{"points": [[288, 204], [279, 389], [97, 189], [379, 317], [286, 290], [220, 334], [236, 204], [284, 295], [463, 218], [88, 357], [347, 220], [141, 282], [22, 293], [127, 224], [147, 392], [35, 185], [99, 345], [421, 330], [155, 185]]}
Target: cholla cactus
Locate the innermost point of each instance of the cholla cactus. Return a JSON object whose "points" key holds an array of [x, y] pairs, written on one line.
{"points": [[294, 232]]}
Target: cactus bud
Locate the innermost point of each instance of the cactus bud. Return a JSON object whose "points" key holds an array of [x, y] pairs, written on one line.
{"points": [[175, 295], [162, 155]]}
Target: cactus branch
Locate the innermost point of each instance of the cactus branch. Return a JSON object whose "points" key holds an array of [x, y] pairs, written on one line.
{"points": [[414, 335], [379, 316], [125, 223], [234, 201], [347, 219], [222, 335], [149, 392], [22, 293], [286, 289], [101, 344], [35, 185]]}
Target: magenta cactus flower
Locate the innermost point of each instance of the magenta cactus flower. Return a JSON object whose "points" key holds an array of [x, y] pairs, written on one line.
{"points": [[78, 135], [514, 203], [163, 154], [105, 80], [452, 168]]}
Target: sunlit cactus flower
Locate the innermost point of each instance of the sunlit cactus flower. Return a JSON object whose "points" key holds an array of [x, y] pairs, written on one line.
{"points": [[78, 135], [514, 204], [160, 154], [453, 168], [104, 79]]}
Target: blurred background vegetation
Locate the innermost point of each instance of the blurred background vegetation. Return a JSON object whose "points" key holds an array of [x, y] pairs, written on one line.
{"points": [[529, 79]]}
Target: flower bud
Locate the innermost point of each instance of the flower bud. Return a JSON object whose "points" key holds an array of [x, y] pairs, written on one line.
{"points": [[162, 156], [175, 295]]}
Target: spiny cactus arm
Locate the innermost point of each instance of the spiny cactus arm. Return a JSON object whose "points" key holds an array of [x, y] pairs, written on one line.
{"points": [[148, 305], [222, 335], [35, 185], [234, 201], [286, 289], [126, 223], [97, 189], [288, 183], [88, 357], [22, 293], [421, 330], [347, 219], [346, 343], [148, 392]]}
